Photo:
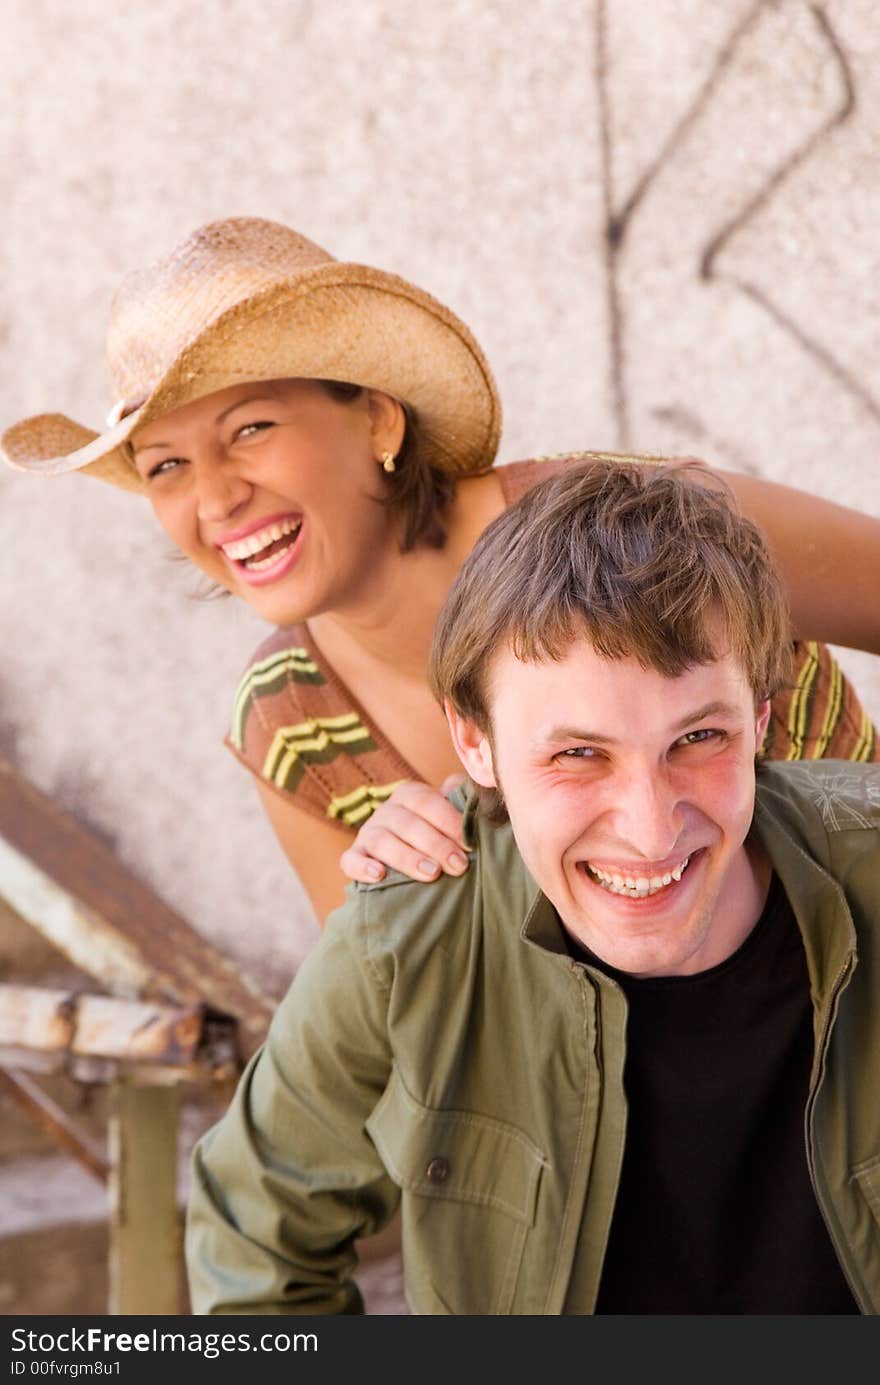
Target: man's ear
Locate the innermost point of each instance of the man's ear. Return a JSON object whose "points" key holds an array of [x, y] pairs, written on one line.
{"points": [[472, 746], [762, 716]]}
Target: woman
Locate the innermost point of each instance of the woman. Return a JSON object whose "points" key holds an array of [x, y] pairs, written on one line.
{"points": [[318, 437]]}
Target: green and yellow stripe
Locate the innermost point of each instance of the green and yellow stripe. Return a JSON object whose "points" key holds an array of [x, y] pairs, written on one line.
{"points": [[801, 701], [863, 750], [316, 741], [355, 807], [270, 675], [833, 709]]}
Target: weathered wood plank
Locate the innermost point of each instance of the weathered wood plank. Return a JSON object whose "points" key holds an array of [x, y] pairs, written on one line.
{"points": [[49, 1116], [102, 1071], [141, 1033], [33, 1018], [69, 885]]}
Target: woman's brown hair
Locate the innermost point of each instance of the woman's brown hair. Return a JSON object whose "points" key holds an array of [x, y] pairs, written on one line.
{"points": [[421, 494]]}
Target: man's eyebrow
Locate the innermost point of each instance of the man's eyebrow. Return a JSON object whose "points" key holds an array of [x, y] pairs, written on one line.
{"points": [[717, 708], [573, 733]]}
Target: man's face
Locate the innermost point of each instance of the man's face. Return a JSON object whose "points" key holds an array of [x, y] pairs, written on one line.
{"points": [[630, 796]]}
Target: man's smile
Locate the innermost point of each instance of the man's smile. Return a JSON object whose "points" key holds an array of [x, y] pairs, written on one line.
{"points": [[634, 883]]}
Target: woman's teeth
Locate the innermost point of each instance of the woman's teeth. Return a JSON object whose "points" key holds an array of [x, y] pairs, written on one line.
{"points": [[246, 550], [639, 886], [257, 564]]}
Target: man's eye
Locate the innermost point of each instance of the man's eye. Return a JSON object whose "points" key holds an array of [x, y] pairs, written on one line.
{"points": [[699, 737], [579, 752]]}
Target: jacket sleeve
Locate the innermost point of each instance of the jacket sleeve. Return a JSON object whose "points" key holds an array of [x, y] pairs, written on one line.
{"points": [[288, 1178]]}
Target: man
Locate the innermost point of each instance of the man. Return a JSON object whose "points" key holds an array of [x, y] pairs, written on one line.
{"points": [[630, 1062]]}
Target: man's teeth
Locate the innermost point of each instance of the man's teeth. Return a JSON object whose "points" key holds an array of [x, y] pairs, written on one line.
{"points": [[639, 886], [241, 549]]}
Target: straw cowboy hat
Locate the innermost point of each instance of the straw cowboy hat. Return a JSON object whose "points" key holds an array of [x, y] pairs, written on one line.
{"points": [[248, 299]]}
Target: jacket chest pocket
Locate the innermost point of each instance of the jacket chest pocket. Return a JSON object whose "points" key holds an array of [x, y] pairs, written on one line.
{"points": [[470, 1185]]}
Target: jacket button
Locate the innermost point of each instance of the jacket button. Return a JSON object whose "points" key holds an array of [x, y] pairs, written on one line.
{"points": [[438, 1170]]}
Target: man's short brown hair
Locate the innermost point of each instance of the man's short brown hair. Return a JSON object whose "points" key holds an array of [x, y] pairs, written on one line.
{"points": [[651, 563]]}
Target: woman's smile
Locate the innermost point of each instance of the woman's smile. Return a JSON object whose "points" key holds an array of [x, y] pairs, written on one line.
{"points": [[274, 490], [264, 551]]}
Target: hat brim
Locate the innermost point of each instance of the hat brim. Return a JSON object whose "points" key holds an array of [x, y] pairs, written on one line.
{"points": [[337, 322]]}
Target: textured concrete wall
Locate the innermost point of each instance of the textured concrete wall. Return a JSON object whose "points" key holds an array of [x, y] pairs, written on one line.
{"points": [[482, 149]]}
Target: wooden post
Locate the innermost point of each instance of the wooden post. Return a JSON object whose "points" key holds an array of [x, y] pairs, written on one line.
{"points": [[179, 1011], [145, 1230]]}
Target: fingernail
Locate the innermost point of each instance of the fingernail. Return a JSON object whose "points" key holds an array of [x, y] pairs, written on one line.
{"points": [[428, 868], [457, 862], [374, 870]]}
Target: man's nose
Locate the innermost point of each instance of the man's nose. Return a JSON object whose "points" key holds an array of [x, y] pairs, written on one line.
{"points": [[220, 489], [648, 815]]}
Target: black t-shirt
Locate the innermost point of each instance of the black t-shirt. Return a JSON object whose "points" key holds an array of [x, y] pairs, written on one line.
{"points": [[715, 1212]]}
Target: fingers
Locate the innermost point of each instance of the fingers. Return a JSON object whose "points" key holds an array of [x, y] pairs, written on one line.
{"points": [[426, 804], [417, 832], [410, 844], [357, 865]]}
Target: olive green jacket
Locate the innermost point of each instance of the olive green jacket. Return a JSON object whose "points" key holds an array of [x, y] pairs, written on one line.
{"points": [[439, 1046]]}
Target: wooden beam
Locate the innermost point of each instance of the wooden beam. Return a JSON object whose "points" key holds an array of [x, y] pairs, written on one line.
{"points": [[59, 1028], [34, 1018], [66, 883], [49, 1116]]}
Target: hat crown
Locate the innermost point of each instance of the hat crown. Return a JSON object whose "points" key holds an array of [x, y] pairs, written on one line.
{"points": [[159, 310], [245, 299]]}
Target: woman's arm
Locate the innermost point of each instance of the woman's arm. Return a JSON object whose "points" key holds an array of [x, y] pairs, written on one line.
{"points": [[414, 830], [312, 847], [829, 557]]}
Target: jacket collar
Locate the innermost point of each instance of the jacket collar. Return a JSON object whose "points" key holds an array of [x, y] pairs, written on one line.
{"points": [[541, 926], [816, 898]]}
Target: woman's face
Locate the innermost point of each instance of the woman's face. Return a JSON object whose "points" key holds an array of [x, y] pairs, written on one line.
{"points": [[271, 489]]}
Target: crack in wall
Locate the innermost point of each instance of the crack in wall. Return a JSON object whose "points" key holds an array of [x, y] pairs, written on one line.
{"points": [[618, 219]]}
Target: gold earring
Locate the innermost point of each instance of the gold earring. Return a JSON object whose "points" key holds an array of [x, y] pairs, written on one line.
{"points": [[388, 462]]}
